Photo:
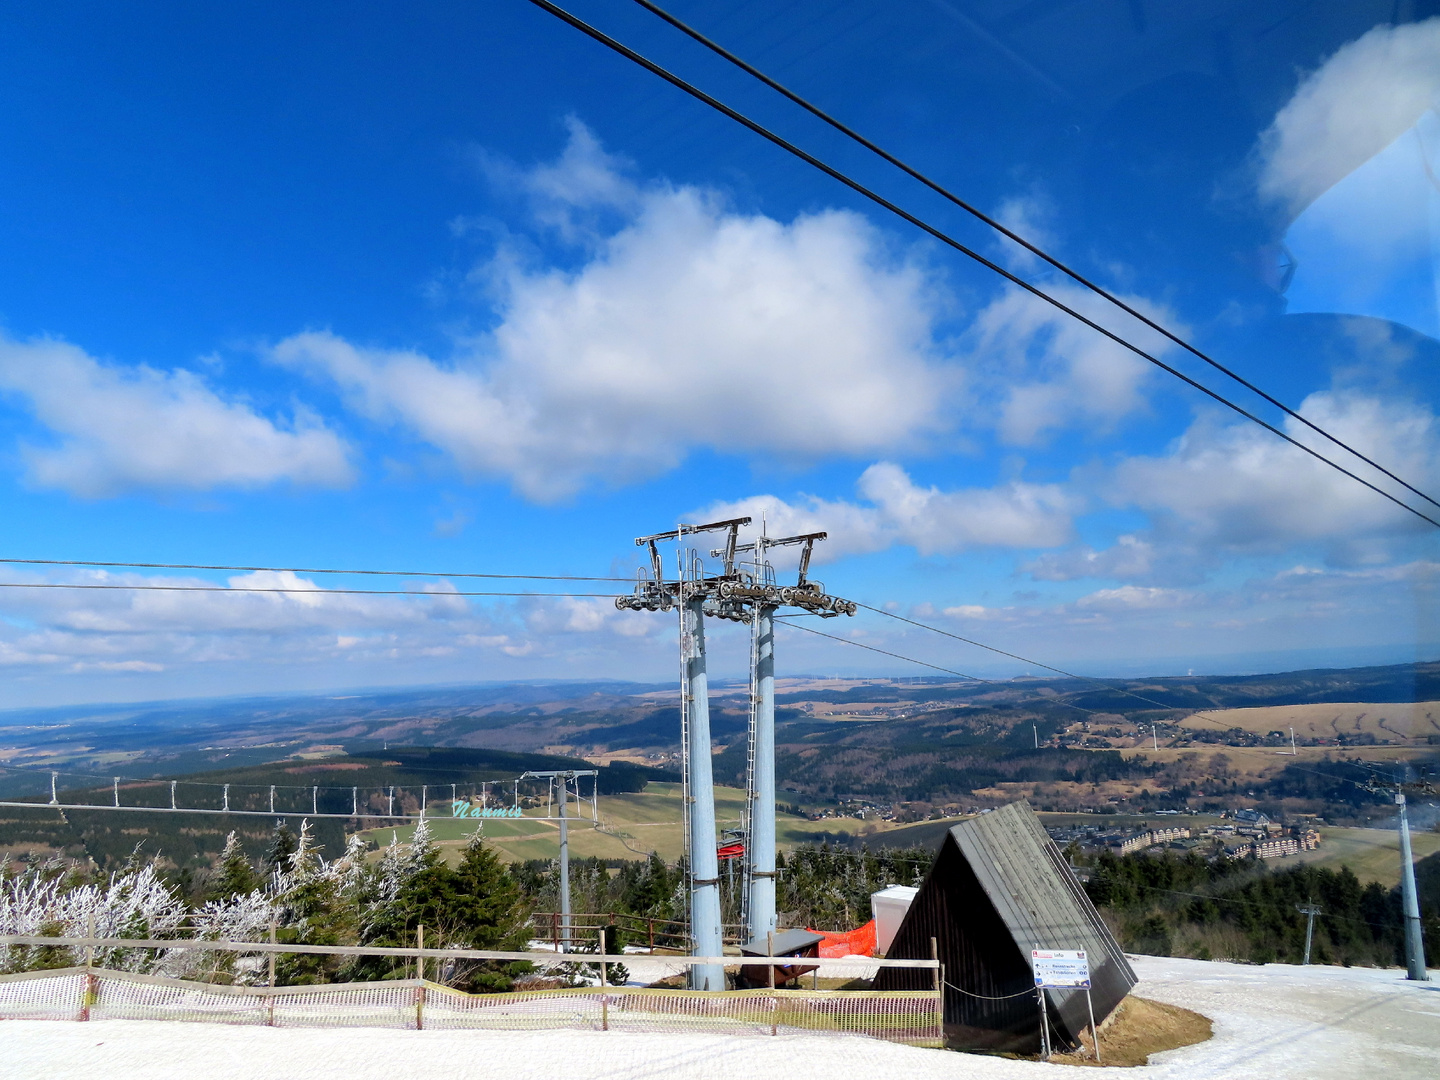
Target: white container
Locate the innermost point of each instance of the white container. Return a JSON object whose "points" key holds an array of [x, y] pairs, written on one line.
{"points": [[890, 906]]}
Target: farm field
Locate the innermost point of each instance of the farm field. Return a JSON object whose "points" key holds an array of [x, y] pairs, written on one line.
{"points": [[633, 825], [1371, 854], [1391, 722], [1260, 761]]}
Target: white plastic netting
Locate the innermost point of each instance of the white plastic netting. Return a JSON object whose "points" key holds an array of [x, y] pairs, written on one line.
{"points": [[898, 1016]]}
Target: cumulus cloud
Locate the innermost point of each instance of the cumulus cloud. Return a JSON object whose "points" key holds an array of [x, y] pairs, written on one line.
{"points": [[896, 510], [691, 326], [1239, 486], [1353, 106], [146, 630], [120, 429], [1129, 558], [1041, 371]]}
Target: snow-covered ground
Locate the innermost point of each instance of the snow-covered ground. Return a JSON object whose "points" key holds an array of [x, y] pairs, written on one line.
{"points": [[1271, 1023]]}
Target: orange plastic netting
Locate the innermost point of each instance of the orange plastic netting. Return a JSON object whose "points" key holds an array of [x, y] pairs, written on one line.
{"points": [[857, 942]]}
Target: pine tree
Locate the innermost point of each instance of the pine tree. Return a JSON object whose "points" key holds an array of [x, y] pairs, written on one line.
{"points": [[236, 877], [282, 848]]}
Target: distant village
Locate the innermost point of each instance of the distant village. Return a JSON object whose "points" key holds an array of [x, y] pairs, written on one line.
{"points": [[1244, 834]]}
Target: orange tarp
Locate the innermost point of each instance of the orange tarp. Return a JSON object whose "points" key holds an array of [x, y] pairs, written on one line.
{"points": [[857, 942]]}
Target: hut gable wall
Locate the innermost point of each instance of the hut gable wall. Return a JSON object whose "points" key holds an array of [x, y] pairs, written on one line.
{"points": [[999, 888]]}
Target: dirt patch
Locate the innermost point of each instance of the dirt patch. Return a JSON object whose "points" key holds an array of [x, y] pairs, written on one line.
{"points": [[1138, 1028]]}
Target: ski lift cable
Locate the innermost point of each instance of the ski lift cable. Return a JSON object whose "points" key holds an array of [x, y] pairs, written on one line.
{"points": [[306, 570], [879, 200], [1010, 234]]}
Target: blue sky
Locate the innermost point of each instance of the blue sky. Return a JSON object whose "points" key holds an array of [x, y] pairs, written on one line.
{"points": [[446, 286]]}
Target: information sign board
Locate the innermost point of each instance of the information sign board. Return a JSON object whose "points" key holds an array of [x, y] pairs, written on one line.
{"points": [[1061, 968]]}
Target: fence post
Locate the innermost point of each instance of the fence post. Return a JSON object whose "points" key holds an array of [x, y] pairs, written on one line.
{"points": [[555, 929], [420, 968], [770, 951], [88, 995], [604, 984], [650, 930], [270, 1003]]}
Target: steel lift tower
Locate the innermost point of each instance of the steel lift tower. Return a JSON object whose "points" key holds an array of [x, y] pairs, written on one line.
{"points": [[743, 596], [1409, 900], [688, 594], [765, 599]]}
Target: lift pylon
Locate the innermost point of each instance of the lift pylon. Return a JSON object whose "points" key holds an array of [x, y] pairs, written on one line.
{"points": [[742, 592], [690, 594]]}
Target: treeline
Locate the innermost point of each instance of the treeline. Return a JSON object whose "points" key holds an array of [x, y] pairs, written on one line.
{"points": [[354, 900], [820, 887], [937, 770], [1183, 905]]}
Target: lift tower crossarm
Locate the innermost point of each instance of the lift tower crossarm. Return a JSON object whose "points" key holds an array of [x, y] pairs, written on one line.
{"points": [[733, 524], [808, 539]]}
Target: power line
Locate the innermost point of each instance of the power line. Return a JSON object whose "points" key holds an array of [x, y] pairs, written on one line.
{"points": [[1036, 663], [306, 570], [1029, 246], [885, 652], [925, 663], [949, 241], [306, 592]]}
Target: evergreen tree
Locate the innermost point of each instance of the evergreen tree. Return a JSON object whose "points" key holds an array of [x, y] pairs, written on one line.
{"points": [[282, 849], [236, 876], [476, 905]]}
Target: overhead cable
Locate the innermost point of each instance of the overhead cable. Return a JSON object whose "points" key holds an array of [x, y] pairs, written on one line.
{"points": [[949, 241], [305, 592], [922, 663], [1026, 660], [1034, 249], [1200, 714], [305, 570]]}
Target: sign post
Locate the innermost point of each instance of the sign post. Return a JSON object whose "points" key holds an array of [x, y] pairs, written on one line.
{"points": [[1062, 969]]}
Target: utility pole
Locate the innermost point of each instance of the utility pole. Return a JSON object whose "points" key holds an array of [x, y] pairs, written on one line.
{"points": [[563, 778], [760, 843], [1309, 910], [764, 599], [1414, 940], [1409, 900]]}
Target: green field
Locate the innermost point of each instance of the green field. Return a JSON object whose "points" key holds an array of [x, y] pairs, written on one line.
{"points": [[1371, 854], [632, 826]]}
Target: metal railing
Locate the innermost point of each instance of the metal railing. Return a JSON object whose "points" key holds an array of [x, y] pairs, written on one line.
{"points": [[657, 933]]}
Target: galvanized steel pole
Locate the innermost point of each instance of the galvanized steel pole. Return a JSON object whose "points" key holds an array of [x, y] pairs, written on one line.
{"points": [[704, 863], [1414, 941], [564, 872], [761, 841]]}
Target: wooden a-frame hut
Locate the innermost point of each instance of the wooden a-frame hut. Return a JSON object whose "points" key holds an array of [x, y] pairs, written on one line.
{"points": [[999, 888]]}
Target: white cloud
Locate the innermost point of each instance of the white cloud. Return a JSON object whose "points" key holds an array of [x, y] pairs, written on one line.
{"points": [[1129, 557], [1132, 597], [1044, 371], [1239, 486], [896, 510], [1358, 102], [120, 429], [360, 637], [691, 326]]}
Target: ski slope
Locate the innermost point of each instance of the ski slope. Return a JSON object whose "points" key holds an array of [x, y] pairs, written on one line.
{"points": [[1276, 1022]]}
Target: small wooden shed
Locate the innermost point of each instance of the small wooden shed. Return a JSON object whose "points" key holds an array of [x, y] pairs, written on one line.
{"points": [[999, 888], [796, 943]]}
